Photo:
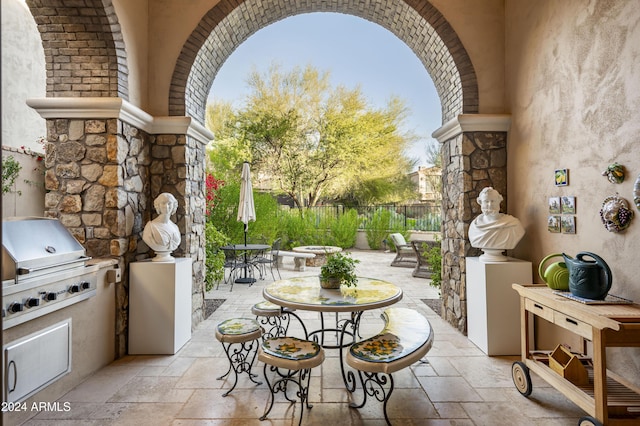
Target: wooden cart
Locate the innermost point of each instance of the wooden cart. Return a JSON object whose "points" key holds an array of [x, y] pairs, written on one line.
{"points": [[607, 398]]}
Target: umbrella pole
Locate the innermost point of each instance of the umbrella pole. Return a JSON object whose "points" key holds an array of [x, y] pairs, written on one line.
{"points": [[246, 225]]}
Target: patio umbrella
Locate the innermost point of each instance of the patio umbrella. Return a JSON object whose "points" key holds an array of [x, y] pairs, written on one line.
{"points": [[246, 211], [246, 208]]}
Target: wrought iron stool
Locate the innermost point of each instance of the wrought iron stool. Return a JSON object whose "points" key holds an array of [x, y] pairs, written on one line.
{"points": [[244, 332], [292, 360], [275, 319]]}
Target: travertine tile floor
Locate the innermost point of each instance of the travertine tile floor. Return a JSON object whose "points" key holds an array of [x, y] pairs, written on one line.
{"points": [[459, 385]]}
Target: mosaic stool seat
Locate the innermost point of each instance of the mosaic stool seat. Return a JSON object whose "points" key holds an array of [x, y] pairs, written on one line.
{"points": [[291, 360], [405, 339], [239, 338], [272, 317]]}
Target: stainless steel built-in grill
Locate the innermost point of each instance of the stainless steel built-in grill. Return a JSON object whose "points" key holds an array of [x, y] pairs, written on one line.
{"points": [[44, 269]]}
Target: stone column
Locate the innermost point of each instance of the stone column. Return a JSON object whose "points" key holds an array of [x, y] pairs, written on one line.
{"points": [[474, 155], [106, 161]]}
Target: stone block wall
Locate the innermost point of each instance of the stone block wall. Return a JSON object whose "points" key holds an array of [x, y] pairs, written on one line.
{"points": [[177, 166], [473, 161], [96, 186]]}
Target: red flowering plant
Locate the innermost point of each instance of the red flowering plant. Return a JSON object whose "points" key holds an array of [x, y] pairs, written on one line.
{"points": [[212, 185], [38, 155]]}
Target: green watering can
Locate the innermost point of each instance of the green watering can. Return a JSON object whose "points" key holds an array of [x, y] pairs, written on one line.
{"points": [[590, 279], [555, 275]]}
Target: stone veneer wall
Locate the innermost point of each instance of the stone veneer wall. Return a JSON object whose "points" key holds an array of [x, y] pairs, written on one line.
{"points": [[178, 166], [473, 161], [102, 176], [95, 178]]}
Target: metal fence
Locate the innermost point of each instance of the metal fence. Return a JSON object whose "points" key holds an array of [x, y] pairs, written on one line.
{"points": [[416, 217]]}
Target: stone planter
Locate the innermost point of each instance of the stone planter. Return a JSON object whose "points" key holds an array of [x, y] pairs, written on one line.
{"points": [[330, 282]]}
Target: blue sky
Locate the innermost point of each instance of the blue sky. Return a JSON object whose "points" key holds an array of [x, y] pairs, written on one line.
{"points": [[354, 51]]}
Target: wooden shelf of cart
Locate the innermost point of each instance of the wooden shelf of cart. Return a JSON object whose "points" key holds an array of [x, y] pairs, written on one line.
{"points": [[608, 398]]}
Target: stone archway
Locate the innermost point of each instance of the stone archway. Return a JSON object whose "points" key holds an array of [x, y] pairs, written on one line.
{"points": [[417, 23], [125, 162], [83, 47], [423, 28]]}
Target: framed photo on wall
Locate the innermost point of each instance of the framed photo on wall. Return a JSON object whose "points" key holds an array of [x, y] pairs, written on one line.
{"points": [[554, 224], [561, 177], [554, 205], [568, 224], [568, 205]]}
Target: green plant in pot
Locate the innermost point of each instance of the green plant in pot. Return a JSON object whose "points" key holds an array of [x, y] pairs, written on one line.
{"points": [[340, 269]]}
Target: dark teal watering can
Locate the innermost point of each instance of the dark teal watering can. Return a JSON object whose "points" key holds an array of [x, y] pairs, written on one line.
{"points": [[589, 279]]}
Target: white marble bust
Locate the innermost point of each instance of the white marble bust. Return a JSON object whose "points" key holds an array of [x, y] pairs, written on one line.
{"points": [[161, 234], [492, 231]]}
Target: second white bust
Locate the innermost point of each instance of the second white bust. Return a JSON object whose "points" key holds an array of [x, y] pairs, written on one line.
{"points": [[161, 234], [492, 231]]}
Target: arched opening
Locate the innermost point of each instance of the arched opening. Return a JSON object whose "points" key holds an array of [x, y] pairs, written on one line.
{"points": [[83, 48], [428, 34], [421, 27], [127, 187]]}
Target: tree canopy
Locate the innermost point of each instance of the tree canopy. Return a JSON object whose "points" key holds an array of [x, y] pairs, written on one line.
{"points": [[313, 141]]}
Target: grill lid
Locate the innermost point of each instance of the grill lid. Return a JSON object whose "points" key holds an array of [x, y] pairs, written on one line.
{"points": [[33, 246]]}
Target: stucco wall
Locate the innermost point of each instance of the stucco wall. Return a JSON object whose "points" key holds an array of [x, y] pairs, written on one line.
{"points": [[479, 25], [574, 94], [23, 63]]}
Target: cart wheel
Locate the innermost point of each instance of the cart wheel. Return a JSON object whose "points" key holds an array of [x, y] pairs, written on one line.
{"points": [[588, 421], [521, 378]]}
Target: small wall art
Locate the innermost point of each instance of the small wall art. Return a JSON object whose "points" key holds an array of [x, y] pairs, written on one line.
{"points": [[561, 177], [568, 205], [554, 205], [554, 224], [614, 173], [568, 224]]}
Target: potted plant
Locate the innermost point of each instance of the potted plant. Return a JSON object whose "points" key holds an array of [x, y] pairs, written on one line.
{"points": [[340, 269]]}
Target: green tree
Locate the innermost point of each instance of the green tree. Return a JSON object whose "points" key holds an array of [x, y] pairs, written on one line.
{"points": [[434, 156], [315, 141], [226, 153]]}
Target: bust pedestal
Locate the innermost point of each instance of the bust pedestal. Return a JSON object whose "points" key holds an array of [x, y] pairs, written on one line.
{"points": [[159, 306], [493, 307]]}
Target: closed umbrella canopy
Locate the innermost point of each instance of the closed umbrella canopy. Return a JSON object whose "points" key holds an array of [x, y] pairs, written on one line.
{"points": [[246, 208]]}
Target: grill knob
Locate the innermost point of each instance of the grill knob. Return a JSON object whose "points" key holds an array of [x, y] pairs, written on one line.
{"points": [[50, 296], [32, 302], [75, 288], [15, 307], [85, 285]]}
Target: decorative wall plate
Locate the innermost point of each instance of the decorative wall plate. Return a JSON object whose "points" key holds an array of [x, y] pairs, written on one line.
{"points": [[615, 214], [615, 173], [636, 193]]}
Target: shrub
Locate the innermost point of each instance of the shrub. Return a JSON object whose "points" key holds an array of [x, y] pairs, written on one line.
{"points": [[298, 228], [434, 258], [224, 215], [344, 230], [384, 222], [377, 228], [214, 264], [10, 170]]}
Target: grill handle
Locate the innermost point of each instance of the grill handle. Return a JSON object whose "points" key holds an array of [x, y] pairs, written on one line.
{"points": [[25, 271]]}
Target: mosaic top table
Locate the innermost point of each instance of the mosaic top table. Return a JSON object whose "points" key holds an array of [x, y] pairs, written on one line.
{"points": [[305, 293]]}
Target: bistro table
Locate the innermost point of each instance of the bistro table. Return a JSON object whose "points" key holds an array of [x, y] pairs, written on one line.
{"points": [[244, 250], [305, 293]]}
